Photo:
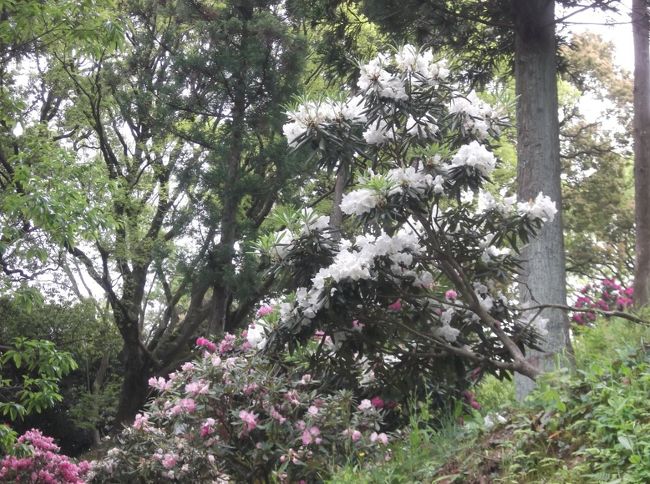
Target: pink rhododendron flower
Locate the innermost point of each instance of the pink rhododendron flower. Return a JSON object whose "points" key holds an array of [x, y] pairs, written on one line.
{"points": [[185, 405], [451, 295], [208, 427], [227, 343], [200, 387], [311, 435], [249, 418], [141, 421], [277, 416], [250, 388], [187, 367], [312, 410], [365, 405], [292, 397], [305, 379], [160, 383], [357, 326], [377, 402], [169, 461], [396, 306], [264, 311], [381, 438], [207, 344]]}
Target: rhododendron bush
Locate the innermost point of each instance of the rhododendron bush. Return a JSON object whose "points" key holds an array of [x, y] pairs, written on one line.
{"points": [[416, 284], [36, 459], [231, 414], [604, 296]]}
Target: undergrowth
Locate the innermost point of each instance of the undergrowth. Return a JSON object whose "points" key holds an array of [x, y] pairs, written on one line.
{"points": [[592, 426]]}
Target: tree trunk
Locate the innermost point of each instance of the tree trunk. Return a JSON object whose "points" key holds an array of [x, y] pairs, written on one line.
{"points": [[640, 21], [135, 386], [336, 216], [543, 278]]}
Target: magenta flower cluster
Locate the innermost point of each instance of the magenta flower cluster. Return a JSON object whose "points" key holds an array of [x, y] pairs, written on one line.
{"points": [[606, 295], [43, 465]]}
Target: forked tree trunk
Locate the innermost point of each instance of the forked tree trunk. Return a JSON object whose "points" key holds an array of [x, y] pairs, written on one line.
{"points": [[538, 170], [640, 20]]}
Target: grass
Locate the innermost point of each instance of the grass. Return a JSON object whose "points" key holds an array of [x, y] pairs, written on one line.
{"points": [[592, 426]]}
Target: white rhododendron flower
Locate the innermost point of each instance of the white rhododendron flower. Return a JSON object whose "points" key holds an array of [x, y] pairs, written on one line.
{"points": [[476, 115], [476, 156], [542, 208], [314, 115], [447, 332], [378, 133], [358, 202], [409, 177], [422, 127]]}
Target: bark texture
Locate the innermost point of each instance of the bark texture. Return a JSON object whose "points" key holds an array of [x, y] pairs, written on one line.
{"points": [[640, 21], [543, 280]]}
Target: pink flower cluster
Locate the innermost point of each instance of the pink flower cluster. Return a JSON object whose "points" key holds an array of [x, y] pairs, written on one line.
{"points": [[264, 311], [227, 343], [606, 296], [311, 436], [249, 419], [451, 295], [184, 405], [207, 344], [45, 465]]}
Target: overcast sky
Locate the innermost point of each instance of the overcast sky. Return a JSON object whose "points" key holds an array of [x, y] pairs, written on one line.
{"points": [[615, 28]]}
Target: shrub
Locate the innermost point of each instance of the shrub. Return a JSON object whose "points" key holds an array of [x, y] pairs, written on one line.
{"points": [[37, 460], [232, 413], [606, 295], [414, 288]]}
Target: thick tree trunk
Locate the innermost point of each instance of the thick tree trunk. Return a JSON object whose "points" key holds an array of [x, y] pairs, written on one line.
{"points": [[138, 365], [135, 387], [538, 170], [640, 20]]}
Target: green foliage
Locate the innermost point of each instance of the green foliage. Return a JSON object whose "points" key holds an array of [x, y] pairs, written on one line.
{"points": [[87, 336], [593, 426], [30, 372], [41, 367], [418, 455]]}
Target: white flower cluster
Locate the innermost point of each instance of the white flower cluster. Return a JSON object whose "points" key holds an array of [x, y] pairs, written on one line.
{"points": [[446, 331], [492, 252], [487, 202], [421, 128], [309, 222], [377, 75], [477, 116], [542, 208], [360, 201], [314, 115], [378, 133], [476, 156], [355, 261], [364, 200]]}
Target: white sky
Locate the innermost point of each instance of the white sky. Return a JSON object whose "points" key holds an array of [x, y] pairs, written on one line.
{"points": [[615, 28]]}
